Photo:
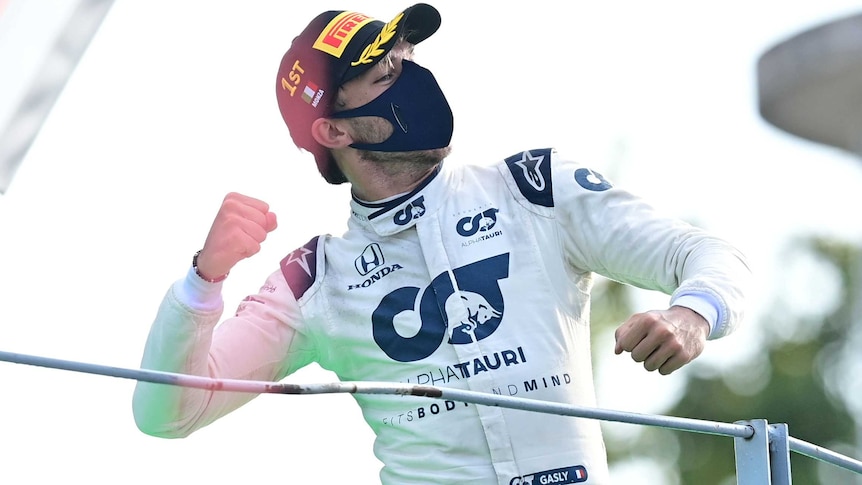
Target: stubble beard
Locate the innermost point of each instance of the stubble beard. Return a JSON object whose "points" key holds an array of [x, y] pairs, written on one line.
{"points": [[376, 130]]}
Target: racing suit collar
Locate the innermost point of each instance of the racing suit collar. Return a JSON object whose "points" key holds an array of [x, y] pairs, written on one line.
{"points": [[395, 214]]}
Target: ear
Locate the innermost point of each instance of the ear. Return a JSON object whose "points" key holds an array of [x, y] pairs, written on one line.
{"points": [[330, 133]]}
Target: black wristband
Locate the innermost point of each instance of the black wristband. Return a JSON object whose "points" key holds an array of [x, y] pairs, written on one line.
{"points": [[197, 271]]}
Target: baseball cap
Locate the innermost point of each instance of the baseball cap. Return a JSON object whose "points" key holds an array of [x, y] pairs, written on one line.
{"points": [[334, 48]]}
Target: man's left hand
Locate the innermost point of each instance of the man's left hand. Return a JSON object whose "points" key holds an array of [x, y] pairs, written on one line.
{"points": [[663, 340]]}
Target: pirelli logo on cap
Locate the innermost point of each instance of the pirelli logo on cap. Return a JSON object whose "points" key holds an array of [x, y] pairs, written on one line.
{"points": [[338, 32]]}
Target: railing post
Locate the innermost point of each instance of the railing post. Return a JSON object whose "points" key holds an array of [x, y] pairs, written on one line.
{"points": [[779, 454], [752, 455]]}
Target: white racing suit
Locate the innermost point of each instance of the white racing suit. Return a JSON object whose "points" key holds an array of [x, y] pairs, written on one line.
{"points": [[479, 279]]}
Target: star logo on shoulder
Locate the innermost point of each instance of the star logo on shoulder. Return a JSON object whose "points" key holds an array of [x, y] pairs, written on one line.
{"points": [[530, 165], [300, 257]]}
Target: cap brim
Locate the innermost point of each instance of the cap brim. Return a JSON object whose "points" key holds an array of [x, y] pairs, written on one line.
{"points": [[415, 24], [421, 21]]}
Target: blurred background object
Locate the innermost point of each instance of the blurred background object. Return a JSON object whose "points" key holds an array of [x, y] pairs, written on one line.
{"points": [[810, 85], [41, 43]]}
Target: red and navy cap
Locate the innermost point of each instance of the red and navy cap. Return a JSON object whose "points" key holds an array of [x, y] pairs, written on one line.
{"points": [[334, 48]]}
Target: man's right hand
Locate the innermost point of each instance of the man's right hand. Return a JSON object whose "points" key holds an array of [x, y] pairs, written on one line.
{"points": [[239, 228]]}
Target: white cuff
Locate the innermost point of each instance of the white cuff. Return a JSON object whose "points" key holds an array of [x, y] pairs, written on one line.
{"points": [[703, 305], [199, 294]]}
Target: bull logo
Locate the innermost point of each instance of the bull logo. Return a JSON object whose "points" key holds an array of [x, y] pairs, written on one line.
{"points": [[414, 210], [482, 221], [465, 315], [465, 311]]}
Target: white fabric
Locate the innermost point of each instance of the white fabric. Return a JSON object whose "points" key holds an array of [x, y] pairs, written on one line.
{"points": [[510, 250]]}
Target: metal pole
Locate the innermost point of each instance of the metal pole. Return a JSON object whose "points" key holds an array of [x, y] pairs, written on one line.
{"points": [[823, 454], [779, 454], [752, 455], [750, 437], [261, 387]]}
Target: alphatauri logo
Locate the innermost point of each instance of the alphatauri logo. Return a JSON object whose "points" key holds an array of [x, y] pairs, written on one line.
{"points": [[443, 314], [414, 210], [483, 221]]}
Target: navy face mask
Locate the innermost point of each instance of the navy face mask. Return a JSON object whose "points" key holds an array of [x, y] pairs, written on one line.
{"points": [[416, 107]]}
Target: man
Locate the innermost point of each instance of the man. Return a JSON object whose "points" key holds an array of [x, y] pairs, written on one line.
{"points": [[474, 277]]}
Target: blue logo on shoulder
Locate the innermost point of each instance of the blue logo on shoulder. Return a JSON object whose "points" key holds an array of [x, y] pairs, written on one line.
{"points": [[532, 172], [591, 180]]}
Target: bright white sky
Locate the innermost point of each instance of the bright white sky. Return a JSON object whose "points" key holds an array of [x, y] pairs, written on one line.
{"points": [[173, 106]]}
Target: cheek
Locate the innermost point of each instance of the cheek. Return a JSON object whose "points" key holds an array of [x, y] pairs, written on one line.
{"points": [[370, 129]]}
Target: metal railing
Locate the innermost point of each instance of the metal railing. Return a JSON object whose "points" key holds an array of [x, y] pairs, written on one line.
{"points": [[762, 450]]}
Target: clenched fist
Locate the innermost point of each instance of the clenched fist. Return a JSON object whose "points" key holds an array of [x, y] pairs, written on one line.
{"points": [[663, 339], [239, 228]]}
